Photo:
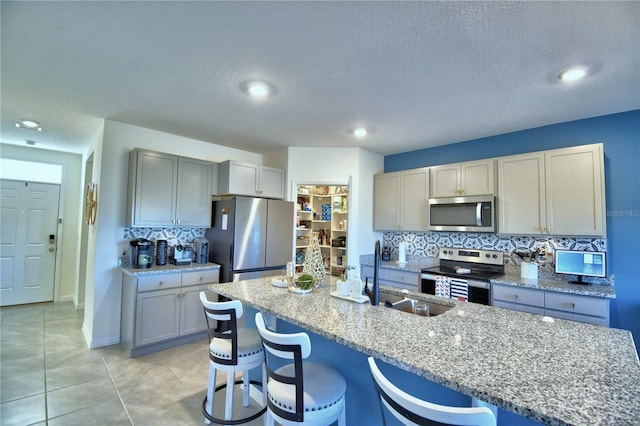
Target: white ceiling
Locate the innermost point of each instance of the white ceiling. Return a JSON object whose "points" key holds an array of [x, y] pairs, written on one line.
{"points": [[420, 74]]}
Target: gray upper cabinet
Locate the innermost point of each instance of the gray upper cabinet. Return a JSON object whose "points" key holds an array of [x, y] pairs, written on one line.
{"points": [[238, 178], [555, 192], [400, 200], [461, 179], [168, 190]]}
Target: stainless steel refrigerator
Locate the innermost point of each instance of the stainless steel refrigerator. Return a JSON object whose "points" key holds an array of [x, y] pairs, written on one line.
{"points": [[250, 237]]}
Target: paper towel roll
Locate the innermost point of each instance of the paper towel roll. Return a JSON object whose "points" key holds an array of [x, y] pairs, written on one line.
{"points": [[402, 252]]}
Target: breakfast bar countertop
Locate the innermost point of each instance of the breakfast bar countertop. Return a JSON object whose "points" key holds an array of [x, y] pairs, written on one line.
{"points": [[550, 370]]}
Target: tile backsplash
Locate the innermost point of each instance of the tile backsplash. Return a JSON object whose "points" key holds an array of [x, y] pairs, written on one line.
{"points": [[172, 235], [428, 244]]}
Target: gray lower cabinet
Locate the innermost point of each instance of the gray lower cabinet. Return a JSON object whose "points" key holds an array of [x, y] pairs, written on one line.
{"points": [[164, 310], [392, 277], [588, 309], [518, 299]]}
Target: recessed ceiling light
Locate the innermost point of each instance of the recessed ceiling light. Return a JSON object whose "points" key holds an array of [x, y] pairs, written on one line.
{"points": [[360, 132], [258, 89], [29, 124], [572, 74]]}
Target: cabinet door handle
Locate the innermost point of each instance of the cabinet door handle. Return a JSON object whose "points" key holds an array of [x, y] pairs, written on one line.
{"points": [[161, 283], [201, 279], [516, 297]]}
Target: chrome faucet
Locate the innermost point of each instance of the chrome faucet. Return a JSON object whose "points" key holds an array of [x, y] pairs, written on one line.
{"points": [[374, 293]]}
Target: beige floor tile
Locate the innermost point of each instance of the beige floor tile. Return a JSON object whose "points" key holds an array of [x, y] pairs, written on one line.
{"points": [[24, 411], [67, 357], [11, 367], [77, 397], [110, 413], [44, 343], [182, 412], [14, 387], [75, 373]]}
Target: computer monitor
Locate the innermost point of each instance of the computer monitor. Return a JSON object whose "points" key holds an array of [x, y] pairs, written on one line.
{"points": [[581, 264]]}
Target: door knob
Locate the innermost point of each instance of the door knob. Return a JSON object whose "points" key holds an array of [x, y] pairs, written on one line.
{"points": [[51, 249]]}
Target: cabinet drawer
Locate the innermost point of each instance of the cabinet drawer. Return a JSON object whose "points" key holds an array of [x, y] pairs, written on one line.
{"points": [[201, 277], [518, 307], [518, 295], [158, 282], [577, 317], [403, 277], [367, 272], [577, 304]]}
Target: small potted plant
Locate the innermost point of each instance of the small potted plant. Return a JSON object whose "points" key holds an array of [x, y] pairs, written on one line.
{"points": [[303, 284]]}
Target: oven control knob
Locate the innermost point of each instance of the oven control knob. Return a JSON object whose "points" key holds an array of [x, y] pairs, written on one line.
{"points": [[495, 256], [487, 255]]}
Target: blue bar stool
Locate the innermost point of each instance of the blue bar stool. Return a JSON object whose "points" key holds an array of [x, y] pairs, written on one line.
{"points": [[299, 392], [230, 350]]}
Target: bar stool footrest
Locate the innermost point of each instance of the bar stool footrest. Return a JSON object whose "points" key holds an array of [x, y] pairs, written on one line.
{"points": [[231, 421]]}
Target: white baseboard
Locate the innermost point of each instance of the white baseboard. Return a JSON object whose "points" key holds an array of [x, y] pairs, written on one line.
{"points": [[93, 344]]}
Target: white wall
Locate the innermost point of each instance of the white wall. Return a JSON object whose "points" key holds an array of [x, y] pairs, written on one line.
{"points": [[103, 296], [336, 166], [70, 210]]}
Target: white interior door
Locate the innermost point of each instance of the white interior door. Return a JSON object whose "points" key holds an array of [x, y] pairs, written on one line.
{"points": [[28, 240]]}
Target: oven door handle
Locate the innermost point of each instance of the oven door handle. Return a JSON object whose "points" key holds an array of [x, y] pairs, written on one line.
{"points": [[479, 284]]}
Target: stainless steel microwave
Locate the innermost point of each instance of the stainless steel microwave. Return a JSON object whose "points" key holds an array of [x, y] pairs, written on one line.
{"points": [[463, 214]]}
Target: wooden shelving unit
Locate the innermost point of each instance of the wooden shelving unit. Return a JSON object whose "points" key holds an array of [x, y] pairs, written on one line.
{"points": [[323, 211]]}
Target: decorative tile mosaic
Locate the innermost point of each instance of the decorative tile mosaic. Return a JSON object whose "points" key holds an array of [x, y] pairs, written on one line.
{"points": [[172, 235], [428, 244]]}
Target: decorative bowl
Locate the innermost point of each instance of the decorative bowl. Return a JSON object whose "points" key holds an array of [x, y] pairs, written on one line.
{"points": [[304, 282]]}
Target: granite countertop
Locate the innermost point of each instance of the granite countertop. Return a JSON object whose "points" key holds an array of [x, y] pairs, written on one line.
{"points": [[550, 370], [558, 285], [546, 281], [168, 269]]}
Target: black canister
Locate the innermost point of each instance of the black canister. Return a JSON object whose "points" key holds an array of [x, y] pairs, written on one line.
{"points": [[161, 252]]}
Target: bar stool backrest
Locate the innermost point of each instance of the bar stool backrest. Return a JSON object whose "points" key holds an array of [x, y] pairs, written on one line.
{"points": [[296, 347], [414, 411], [228, 312]]}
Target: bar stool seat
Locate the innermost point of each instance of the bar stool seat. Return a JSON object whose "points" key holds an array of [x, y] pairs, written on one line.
{"points": [[300, 392], [323, 388], [249, 344], [231, 350]]}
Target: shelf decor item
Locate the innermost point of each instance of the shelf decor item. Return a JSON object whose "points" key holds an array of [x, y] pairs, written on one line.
{"points": [[313, 262]]}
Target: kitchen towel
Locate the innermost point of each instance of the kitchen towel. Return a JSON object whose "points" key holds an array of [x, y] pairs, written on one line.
{"points": [[443, 286]]}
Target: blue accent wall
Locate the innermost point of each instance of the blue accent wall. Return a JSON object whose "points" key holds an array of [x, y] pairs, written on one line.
{"points": [[620, 134]]}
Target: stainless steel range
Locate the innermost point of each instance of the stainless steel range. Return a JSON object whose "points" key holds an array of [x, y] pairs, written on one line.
{"points": [[463, 274]]}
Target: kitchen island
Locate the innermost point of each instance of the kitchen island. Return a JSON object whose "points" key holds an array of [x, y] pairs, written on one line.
{"points": [[549, 370]]}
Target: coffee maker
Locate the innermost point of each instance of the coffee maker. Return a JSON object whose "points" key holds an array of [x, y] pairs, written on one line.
{"points": [[141, 253], [201, 246]]}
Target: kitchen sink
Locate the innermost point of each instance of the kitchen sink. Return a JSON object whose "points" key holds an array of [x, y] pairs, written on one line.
{"points": [[407, 304]]}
